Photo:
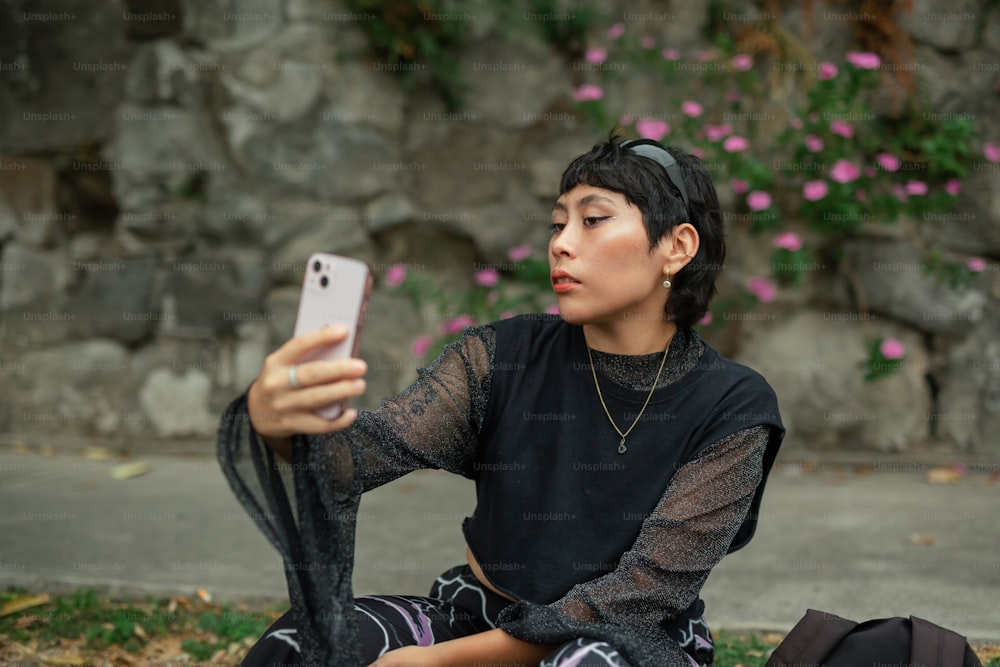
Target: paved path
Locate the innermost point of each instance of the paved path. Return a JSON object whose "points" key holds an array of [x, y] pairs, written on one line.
{"points": [[852, 544]]}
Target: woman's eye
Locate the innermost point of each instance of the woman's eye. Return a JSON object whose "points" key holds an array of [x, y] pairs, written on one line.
{"points": [[557, 227], [596, 220]]}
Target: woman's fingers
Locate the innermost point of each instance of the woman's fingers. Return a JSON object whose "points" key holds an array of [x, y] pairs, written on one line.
{"points": [[318, 396], [294, 348], [321, 372]]}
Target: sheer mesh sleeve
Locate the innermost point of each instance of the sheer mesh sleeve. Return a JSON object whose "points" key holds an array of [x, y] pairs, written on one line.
{"points": [[307, 509], [661, 575]]}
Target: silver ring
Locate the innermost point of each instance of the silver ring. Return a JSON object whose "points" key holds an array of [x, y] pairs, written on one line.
{"points": [[292, 380]]}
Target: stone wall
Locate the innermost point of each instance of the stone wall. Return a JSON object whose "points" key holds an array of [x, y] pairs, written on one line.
{"points": [[165, 168]]}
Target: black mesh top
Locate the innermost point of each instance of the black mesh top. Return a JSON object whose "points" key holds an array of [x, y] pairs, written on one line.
{"points": [[308, 508]]}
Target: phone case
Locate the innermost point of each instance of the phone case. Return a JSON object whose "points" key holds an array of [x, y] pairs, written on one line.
{"points": [[335, 290]]}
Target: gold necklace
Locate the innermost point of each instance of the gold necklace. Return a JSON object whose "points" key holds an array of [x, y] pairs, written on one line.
{"points": [[621, 445]]}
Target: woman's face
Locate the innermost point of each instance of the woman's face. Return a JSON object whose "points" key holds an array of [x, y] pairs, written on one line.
{"points": [[602, 269]]}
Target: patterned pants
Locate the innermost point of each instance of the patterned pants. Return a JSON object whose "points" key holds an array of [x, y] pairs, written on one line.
{"points": [[458, 606]]}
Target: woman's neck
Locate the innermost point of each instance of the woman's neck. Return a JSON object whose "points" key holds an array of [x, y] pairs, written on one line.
{"points": [[629, 338]]}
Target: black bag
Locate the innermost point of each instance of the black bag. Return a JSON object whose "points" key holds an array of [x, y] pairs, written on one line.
{"points": [[821, 639]]}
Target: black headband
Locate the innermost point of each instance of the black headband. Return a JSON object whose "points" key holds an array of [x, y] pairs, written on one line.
{"points": [[660, 155]]}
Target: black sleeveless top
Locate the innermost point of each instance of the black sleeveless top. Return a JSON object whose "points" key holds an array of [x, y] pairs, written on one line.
{"points": [[557, 504]]}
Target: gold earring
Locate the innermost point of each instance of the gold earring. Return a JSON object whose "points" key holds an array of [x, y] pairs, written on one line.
{"points": [[666, 283]]}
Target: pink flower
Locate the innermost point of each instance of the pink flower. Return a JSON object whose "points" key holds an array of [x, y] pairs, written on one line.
{"points": [[814, 143], [647, 42], [507, 314], [456, 324], [900, 192], [706, 319], [717, 132], [844, 171], [977, 264], [517, 253], [827, 70], [697, 152], [616, 31], [842, 128], [796, 123], [892, 349], [487, 277], [887, 161], [595, 56], [991, 152], [691, 108], [916, 188], [869, 171], [588, 92], [763, 289], [953, 186], [861, 195], [863, 59], [739, 186], [758, 200], [670, 54], [735, 143], [651, 128], [626, 119], [703, 55], [553, 309], [395, 275], [814, 190], [788, 241], [741, 62], [420, 345]]}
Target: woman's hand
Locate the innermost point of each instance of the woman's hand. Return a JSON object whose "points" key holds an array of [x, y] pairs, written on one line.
{"points": [[278, 410], [408, 656]]}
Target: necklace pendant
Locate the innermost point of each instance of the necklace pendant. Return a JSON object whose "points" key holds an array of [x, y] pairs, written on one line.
{"points": [[621, 447]]}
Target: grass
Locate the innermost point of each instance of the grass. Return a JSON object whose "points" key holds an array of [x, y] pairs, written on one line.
{"points": [[86, 628]]}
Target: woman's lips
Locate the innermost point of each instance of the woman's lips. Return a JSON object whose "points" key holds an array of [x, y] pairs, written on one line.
{"points": [[563, 282]]}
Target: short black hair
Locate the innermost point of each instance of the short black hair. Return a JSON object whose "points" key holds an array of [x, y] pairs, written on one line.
{"points": [[644, 183]]}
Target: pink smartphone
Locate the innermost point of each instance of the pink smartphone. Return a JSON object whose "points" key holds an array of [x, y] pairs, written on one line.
{"points": [[335, 291]]}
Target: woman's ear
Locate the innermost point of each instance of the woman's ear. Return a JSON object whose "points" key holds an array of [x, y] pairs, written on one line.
{"points": [[679, 247]]}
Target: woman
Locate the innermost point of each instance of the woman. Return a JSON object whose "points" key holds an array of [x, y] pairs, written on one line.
{"points": [[617, 457]]}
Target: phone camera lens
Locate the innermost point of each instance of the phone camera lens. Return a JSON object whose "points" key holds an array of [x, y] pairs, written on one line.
{"points": [[317, 266], [324, 281]]}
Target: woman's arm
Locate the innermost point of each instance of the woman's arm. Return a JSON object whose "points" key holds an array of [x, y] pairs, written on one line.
{"points": [[689, 531]]}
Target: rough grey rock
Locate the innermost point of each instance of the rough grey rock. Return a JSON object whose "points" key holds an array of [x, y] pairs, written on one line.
{"points": [[207, 295], [359, 94], [510, 83], [970, 227], [813, 361], [164, 73], [967, 413], [115, 299], [31, 277], [28, 200], [495, 228], [163, 153], [281, 304], [178, 404], [947, 25], [471, 166], [388, 210], [895, 285], [88, 397], [223, 25], [282, 79], [334, 229], [73, 78]]}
